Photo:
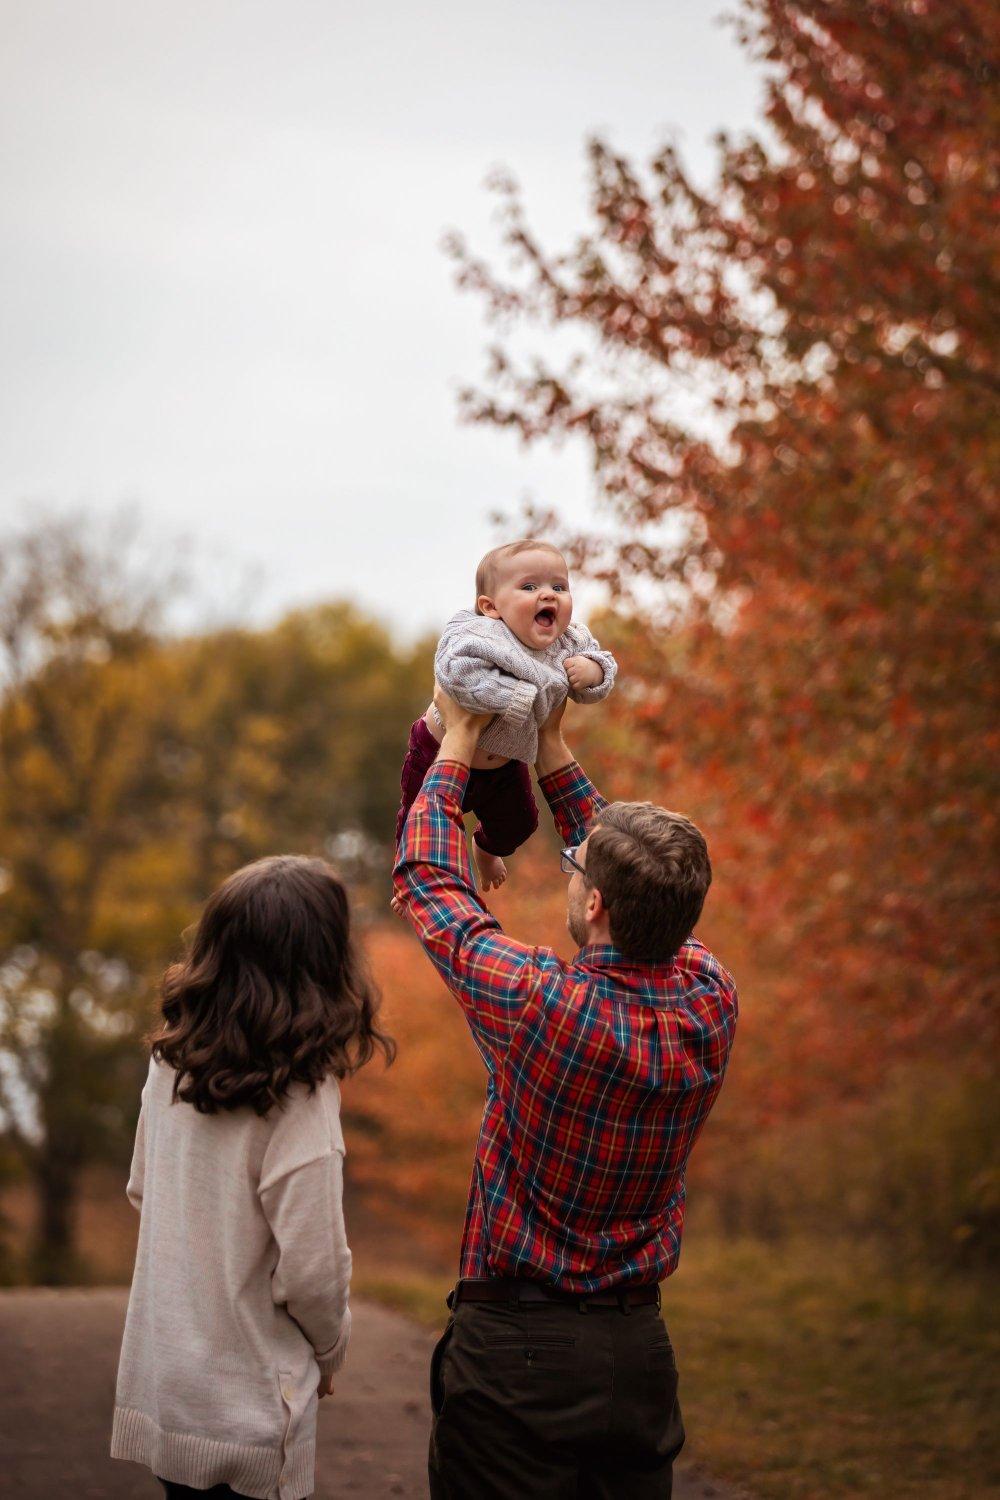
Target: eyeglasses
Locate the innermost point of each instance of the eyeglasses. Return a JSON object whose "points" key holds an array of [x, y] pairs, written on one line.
{"points": [[568, 863]]}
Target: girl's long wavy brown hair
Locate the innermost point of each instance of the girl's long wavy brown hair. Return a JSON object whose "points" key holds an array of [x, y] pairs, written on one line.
{"points": [[273, 992]]}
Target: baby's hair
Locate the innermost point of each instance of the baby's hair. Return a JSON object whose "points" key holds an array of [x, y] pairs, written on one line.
{"points": [[486, 573]]}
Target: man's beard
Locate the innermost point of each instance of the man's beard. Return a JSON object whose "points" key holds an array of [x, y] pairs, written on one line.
{"points": [[576, 925]]}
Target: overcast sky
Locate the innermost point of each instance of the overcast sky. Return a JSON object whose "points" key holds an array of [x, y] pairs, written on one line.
{"points": [[222, 295]]}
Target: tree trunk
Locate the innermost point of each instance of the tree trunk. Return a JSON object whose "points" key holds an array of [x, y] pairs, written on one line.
{"points": [[62, 1152], [56, 1186]]}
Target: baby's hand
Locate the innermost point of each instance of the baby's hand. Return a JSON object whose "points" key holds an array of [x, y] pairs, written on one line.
{"points": [[583, 672]]}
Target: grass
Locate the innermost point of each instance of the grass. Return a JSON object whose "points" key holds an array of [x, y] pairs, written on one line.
{"points": [[808, 1372], [419, 1297]]}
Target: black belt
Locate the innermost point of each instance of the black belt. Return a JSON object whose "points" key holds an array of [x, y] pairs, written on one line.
{"points": [[513, 1291]]}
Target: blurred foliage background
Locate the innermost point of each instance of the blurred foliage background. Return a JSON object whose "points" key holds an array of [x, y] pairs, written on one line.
{"points": [[138, 768], [801, 588]]}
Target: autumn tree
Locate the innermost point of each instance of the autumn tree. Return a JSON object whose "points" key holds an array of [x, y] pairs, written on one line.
{"points": [[80, 789], [788, 387], [138, 767], [290, 736]]}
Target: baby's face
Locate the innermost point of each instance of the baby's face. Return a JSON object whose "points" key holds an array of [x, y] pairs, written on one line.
{"points": [[531, 596]]}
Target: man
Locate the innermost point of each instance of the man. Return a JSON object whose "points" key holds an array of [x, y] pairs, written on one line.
{"points": [[555, 1376]]}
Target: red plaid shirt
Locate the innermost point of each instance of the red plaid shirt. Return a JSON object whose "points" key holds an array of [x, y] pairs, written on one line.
{"points": [[600, 1071]]}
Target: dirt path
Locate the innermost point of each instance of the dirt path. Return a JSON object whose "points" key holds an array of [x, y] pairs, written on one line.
{"points": [[57, 1379]]}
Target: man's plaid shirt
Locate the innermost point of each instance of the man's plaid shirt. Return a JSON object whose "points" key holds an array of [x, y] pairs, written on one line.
{"points": [[601, 1071]]}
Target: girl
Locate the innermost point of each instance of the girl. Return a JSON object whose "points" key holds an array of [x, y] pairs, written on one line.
{"points": [[238, 1314]]}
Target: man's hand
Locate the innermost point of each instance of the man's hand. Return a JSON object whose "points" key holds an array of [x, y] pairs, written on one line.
{"points": [[462, 727], [553, 751], [583, 672], [454, 716]]}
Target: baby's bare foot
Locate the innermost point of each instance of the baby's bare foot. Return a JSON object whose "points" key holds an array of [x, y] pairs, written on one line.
{"points": [[491, 868]]}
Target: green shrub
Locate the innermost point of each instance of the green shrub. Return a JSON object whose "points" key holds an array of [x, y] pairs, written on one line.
{"points": [[915, 1170]]}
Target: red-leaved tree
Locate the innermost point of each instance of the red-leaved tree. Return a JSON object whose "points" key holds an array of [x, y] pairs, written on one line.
{"points": [[789, 390]]}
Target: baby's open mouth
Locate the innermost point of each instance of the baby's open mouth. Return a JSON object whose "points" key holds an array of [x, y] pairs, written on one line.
{"points": [[545, 616]]}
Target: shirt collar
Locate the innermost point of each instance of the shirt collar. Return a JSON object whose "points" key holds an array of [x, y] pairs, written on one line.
{"points": [[607, 956]]}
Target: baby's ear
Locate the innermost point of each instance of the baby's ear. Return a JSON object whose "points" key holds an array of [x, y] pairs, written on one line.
{"points": [[485, 606]]}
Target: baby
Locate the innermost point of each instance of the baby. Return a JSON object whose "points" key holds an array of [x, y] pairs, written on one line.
{"points": [[518, 654]]}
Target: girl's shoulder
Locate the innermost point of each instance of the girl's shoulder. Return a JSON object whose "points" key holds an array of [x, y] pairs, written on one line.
{"points": [[327, 1096], [159, 1080], [305, 1127], [315, 1112]]}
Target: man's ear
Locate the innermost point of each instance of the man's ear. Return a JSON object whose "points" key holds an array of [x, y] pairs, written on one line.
{"points": [[595, 908], [485, 606]]}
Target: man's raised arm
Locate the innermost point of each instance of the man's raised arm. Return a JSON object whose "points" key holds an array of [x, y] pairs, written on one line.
{"points": [[490, 974], [571, 795]]}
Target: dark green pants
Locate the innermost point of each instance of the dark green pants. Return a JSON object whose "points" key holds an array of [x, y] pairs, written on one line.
{"points": [[543, 1400]]}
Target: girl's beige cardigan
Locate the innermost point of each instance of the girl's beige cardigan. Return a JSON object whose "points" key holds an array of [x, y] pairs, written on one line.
{"points": [[239, 1296]]}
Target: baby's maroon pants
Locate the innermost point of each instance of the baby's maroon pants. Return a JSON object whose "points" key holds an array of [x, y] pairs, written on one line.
{"points": [[502, 799]]}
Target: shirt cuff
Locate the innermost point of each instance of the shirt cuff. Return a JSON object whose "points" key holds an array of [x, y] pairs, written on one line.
{"points": [[568, 781], [447, 778]]}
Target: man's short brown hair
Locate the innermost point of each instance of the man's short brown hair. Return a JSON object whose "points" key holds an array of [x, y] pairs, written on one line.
{"points": [[486, 573], [652, 868]]}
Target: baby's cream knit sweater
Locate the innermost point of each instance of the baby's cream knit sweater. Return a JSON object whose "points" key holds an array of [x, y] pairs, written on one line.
{"points": [[482, 665]]}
